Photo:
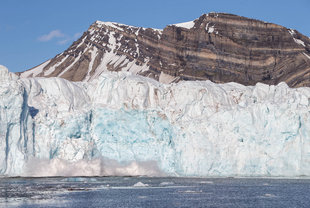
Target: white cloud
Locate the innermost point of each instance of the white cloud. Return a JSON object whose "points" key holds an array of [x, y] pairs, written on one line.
{"points": [[53, 34], [70, 38], [77, 35], [64, 41], [62, 38]]}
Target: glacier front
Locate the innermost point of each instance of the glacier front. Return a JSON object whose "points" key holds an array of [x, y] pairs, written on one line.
{"points": [[123, 124]]}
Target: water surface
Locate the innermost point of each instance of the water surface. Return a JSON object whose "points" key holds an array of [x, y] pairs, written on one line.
{"points": [[153, 192]]}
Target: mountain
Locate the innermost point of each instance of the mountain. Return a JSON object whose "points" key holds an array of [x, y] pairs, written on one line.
{"points": [[124, 124], [111, 116], [217, 46]]}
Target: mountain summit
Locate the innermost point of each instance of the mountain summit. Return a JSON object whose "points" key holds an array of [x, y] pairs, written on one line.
{"points": [[217, 46]]}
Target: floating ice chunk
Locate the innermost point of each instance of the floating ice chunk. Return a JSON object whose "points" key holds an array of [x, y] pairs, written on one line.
{"points": [[191, 191], [269, 195], [166, 183], [140, 184], [206, 182]]}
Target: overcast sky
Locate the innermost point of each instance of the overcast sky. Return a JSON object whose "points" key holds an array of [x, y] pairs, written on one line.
{"points": [[33, 31]]}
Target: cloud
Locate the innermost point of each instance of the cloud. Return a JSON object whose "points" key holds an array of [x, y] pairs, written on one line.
{"points": [[62, 38], [69, 38], [53, 34], [77, 35], [64, 41]]}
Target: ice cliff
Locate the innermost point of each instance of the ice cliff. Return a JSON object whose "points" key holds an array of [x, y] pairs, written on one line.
{"points": [[122, 124]]}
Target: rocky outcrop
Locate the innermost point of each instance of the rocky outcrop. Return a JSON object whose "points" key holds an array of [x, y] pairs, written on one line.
{"points": [[216, 46]]}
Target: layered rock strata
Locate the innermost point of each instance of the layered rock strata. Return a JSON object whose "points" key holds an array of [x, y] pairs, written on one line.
{"points": [[217, 46]]}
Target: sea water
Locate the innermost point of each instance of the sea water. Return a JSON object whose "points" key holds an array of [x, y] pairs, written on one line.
{"points": [[154, 192]]}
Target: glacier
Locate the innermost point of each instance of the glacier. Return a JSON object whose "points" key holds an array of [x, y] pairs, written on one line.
{"points": [[124, 124]]}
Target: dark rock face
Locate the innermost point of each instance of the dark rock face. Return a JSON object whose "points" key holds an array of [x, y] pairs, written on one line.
{"points": [[216, 46]]}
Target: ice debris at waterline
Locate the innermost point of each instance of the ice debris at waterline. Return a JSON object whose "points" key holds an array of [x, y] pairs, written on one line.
{"points": [[146, 128]]}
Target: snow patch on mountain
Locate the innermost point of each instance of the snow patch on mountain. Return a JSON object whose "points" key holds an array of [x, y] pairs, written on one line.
{"points": [[110, 24], [37, 70], [298, 41], [187, 25], [307, 55]]}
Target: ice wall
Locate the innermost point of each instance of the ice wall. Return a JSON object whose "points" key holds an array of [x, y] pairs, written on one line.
{"points": [[184, 129]]}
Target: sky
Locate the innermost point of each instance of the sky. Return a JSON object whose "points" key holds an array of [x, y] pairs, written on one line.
{"points": [[33, 31]]}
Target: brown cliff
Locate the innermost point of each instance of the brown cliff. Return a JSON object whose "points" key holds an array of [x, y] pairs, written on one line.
{"points": [[216, 46]]}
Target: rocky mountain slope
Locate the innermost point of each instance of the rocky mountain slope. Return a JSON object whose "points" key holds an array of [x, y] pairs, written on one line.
{"points": [[216, 46]]}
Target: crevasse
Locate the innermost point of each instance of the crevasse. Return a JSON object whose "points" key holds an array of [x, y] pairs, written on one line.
{"points": [[121, 124]]}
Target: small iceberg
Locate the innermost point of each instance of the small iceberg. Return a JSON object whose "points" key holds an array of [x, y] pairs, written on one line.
{"points": [[140, 184]]}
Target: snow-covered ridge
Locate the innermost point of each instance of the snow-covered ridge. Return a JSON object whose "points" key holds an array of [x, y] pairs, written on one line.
{"points": [[191, 24], [111, 24], [120, 26], [144, 127], [38, 70], [187, 25]]}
